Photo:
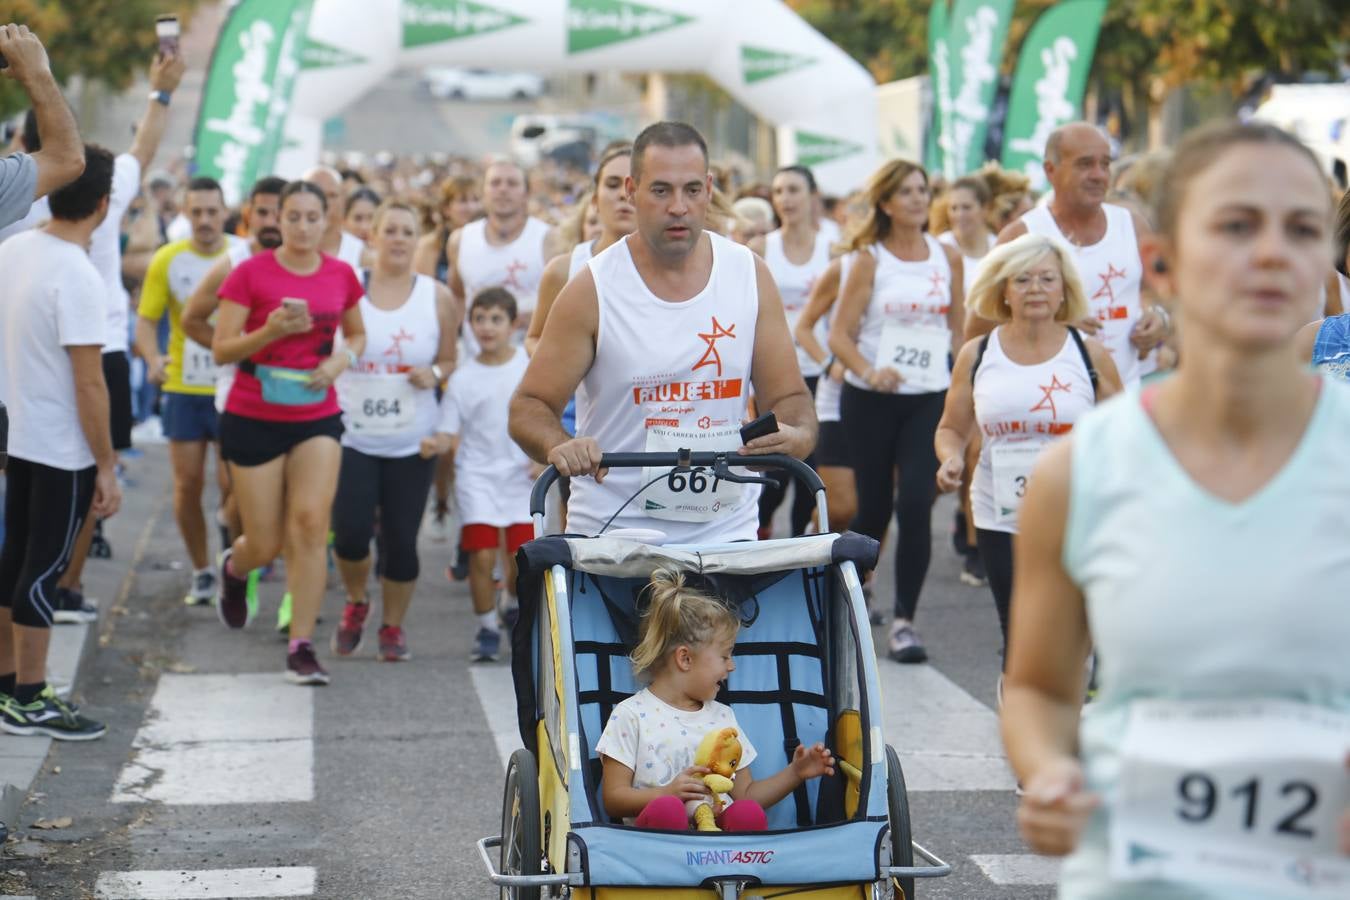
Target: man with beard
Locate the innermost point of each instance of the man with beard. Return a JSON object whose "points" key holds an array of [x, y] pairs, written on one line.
{"points": [[261, 214], [661, 337], [187, 373]]}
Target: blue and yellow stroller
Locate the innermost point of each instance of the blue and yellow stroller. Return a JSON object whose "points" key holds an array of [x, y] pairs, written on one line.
{"points": [[805, 672]]}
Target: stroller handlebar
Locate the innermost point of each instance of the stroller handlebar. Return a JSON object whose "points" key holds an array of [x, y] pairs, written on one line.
{"points": [[683, 460]]}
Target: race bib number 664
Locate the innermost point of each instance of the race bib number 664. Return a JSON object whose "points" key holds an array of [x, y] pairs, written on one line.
{"points": [[1246, 792]]}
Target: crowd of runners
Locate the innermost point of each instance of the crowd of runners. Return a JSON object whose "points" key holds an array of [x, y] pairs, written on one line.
{"points": [[370, 355]]}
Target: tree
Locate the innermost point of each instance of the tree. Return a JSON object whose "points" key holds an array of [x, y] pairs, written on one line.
{"points": [[888, 37], [109, 41]]}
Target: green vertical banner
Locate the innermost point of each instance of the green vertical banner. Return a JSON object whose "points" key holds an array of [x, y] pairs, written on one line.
{"points": [[1047, 89], [939, 83], [247, 96], [976, 37]]}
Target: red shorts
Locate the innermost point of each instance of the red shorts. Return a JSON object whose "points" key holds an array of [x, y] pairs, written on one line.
{"points": [[489, 537]]}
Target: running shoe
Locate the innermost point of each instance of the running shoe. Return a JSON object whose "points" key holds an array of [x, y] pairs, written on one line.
{"points": [[48, 715], [302, 666], [251, 598], [487, 646], [347, 638], [972, 570], [904, 645], [460, 570], [509, 613], [438, 524], [233, 605], [393, 645], [203, 589], [284, 615], [71, 608]]}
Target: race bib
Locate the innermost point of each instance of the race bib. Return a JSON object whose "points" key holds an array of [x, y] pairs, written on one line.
{"points": [[199, 365], [379, 404], [918, 353], [1248, 792], [1012, 465], [694, 496]]}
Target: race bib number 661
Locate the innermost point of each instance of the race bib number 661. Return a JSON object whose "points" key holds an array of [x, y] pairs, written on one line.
{"points": [[1246, 792]]}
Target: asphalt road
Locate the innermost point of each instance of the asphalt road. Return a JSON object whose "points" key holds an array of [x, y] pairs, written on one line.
{"points": [[378, 785]]}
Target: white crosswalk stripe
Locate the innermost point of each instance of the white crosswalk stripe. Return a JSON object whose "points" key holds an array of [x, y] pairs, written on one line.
{"points": [[214, 739], [206, 884], [1018, 868]]}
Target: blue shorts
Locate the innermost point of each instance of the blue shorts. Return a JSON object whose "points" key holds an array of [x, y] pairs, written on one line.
{"points": [[189, 417]]}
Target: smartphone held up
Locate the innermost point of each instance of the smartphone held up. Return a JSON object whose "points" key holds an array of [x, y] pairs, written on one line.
{"points": [[167, 30]]}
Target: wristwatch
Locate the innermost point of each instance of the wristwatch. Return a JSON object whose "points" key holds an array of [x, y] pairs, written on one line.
{"points": [[436, 371], [162, 96]]}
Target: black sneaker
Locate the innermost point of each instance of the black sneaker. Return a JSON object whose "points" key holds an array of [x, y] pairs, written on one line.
{"points": [[904, 645], [302, 666], [48, 715], [972, 570], [487, 646], [71, 608], [233, 608]]}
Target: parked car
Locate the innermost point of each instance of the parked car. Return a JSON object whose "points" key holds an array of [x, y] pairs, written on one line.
{"points": [[536, 136], [482, 84]]}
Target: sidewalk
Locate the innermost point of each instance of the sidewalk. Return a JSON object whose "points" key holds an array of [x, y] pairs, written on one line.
{"points": [[109, 581]]}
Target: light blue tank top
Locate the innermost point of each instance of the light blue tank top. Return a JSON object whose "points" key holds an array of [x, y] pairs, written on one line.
{"points": [[1331, 350], [1190, 596]]}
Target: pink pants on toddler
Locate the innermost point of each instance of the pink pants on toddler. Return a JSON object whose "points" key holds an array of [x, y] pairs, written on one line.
{"points": [[667, 813]]}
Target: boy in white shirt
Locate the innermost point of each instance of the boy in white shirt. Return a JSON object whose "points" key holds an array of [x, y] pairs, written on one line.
{"points": [[493, 476]]}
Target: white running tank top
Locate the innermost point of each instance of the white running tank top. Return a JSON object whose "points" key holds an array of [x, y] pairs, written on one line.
{"points": [[516, 266], [794, 286], [970, 265], [581, 254], [225, 372], [351, 250], [667, 375], [397, 341], [917, 294], [1111, 272], [828, 391], [1022, 408]]}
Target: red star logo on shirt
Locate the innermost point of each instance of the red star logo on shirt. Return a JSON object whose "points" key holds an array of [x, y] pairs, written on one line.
{"points": [[1110, 275], [710, 356], [939, 288], [1048, 400], [396, 345], [512, 270]]}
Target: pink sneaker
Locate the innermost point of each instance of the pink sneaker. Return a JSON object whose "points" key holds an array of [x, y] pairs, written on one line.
{"points": [[393, 645], [347, 638]]}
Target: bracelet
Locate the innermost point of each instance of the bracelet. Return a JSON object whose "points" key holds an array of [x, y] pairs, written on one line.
{"points": [[351, 357], [162, 97], [436, 371], [1165, 315]]}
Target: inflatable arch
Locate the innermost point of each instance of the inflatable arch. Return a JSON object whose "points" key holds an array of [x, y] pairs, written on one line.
{"points": [[281, 67]]}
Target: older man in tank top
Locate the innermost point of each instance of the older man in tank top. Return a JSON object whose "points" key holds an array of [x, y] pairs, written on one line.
{"points": [[1105, 241], [661, 337]]}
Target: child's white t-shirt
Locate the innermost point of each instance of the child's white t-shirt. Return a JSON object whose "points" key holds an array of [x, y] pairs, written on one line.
{"points": [[658, 741], [492, 474]]}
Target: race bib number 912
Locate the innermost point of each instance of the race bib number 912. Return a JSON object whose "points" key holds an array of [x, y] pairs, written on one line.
{"points": [[1247, 792]]}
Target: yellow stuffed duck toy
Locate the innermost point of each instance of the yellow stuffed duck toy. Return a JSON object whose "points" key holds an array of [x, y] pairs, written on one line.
{"points": [[720, 753]]}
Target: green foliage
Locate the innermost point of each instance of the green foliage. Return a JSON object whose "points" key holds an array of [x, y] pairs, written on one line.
{"points": [[110, 41]]}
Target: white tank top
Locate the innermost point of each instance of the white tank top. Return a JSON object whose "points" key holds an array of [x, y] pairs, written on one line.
{"points": [[794, 286], [1020, 410], [970, 265], [351, 250], [906, 294], [1111, 272], [665, 376], [382, 413], [581, 254], [516, 266], [828, 391]]}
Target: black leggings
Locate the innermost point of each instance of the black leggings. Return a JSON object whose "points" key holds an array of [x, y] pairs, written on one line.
{"points": [[397, 487], [803, 501], [886, 432], [996, 554], [45, 509]]}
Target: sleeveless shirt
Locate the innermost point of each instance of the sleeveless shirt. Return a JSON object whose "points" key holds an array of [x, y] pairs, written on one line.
{"points": [[794, 286]]}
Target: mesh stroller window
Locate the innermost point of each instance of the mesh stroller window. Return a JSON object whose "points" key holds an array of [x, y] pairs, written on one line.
{"points": [[781, 690]]}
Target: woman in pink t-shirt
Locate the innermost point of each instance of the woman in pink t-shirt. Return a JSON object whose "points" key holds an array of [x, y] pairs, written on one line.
{"points": [[279, 317]]}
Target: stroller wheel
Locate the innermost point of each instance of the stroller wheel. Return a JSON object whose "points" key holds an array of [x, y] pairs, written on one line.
{"points": [[897, 811], [521, 832]]}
